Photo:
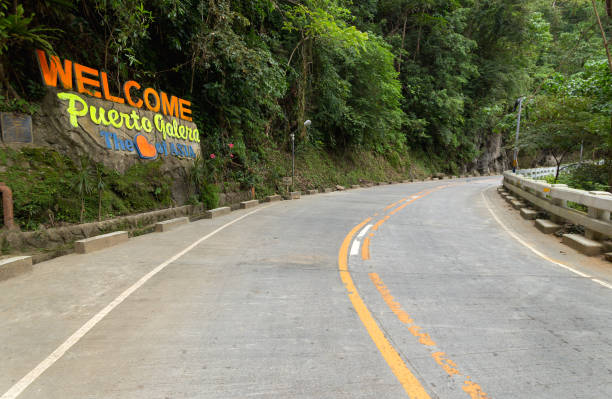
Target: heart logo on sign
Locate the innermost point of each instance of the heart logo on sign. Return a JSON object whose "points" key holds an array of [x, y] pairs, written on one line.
{"points": [[145, 149]]}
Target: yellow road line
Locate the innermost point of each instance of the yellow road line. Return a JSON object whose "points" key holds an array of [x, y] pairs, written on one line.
{"points": [[470, 387], [365, 249], [409, 382]]}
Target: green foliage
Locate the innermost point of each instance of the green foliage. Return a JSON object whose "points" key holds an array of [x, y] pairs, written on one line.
{"points": [[51, 189], [16, 29], [587, 177], [209, 195], [391, 80]]}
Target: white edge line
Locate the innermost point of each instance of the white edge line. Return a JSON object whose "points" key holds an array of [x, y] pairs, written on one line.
{"points": [[356, 242], [29, 378], [540, 254], [364, 231]]}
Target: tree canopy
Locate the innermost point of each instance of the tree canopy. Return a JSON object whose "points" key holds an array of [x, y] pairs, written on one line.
{"points": [[392, 76]]}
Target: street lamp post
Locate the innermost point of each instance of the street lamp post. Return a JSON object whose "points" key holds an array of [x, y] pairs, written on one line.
{"points": [[307, 124], [518, 127]]}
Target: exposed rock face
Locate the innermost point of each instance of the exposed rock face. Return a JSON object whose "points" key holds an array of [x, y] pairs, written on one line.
{"points": [[52, 128], [493, 158]]}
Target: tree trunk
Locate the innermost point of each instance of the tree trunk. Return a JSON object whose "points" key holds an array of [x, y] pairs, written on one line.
{"points": [[399, 62], [99, 206], [82, 208]]}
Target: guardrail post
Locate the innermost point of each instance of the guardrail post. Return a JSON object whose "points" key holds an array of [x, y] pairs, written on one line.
{"points": [[597, 214], [559, 202]]}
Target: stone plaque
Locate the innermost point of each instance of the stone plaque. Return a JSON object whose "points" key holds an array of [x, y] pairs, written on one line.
{"points": [[16, 128]]}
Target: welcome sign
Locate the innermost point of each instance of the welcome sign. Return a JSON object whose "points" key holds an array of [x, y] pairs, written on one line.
{"points": [[147, 123]]}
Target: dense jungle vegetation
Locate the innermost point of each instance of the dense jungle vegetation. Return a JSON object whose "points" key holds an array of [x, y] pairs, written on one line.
{"points": [[416, 85]]}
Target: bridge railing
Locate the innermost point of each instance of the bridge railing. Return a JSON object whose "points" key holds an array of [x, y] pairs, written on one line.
{"points": [[553, 198]]}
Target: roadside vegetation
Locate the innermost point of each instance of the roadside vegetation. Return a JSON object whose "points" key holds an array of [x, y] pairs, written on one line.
{"points": [[399, 88]]}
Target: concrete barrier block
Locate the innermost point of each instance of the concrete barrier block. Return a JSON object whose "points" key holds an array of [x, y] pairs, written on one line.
{"points": [[582, 244], [406, 181], [608, 256], [273, 198], [169, 224], [516, 204], [355, 186], [213, 213], [328, 190], [312, 192], [607, 246], [546, 226], [100, 242], [15, 266], [529, 214], [340, 188], [248, 204], [294, 195]]}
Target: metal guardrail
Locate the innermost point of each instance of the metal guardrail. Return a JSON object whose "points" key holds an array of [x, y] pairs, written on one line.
{"points": [[553, 199], [552, 170], [537, 172]]}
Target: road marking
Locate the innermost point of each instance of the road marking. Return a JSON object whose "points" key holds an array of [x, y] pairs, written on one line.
{"points": [[380, 222], [409, 382], [393, 204], [365, 250], [470, 387], [540, 254], [364, 231], [355, 248], [29, 378]]}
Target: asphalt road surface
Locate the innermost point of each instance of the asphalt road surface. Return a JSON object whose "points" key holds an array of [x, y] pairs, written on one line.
{"points": [[399, 291]]}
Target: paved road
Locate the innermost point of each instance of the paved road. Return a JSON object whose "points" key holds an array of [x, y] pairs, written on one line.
{"points": [[332, 296]]}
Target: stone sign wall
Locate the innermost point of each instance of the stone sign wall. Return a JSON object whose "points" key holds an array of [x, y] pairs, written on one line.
{"points": [[80, 116]]}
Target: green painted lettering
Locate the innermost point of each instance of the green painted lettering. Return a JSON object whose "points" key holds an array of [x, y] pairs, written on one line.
{"points": [[147, 126], [72, 110], [95, 119], [114, 118]]}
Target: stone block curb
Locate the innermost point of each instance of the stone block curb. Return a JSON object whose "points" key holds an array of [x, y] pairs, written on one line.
{"points": [[546, 226], [169, 224], [213, 213], [529, 214], [312, 192], [248, 204], [582, 244], [100, 242], [273, 198], [15, 266]]}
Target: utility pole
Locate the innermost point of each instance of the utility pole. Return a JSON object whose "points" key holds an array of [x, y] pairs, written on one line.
{"points": [[518, 128], [307, 124]]}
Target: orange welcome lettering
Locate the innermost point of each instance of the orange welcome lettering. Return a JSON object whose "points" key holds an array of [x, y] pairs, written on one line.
{"points": [[50, 71], [87, 80], [107, 95], [170, 108], [128, 97], [185, 111], [81, 80]]}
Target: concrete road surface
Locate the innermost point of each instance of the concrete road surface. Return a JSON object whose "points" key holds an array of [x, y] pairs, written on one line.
{"points": [[400, 291]]}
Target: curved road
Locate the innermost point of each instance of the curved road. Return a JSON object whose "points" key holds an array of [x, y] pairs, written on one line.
{"points": [[401, 291]]}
